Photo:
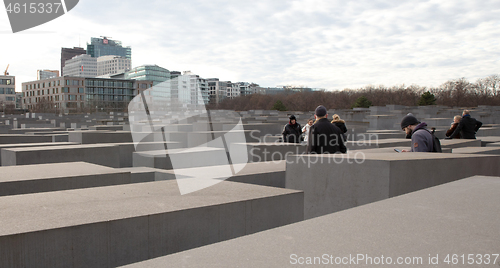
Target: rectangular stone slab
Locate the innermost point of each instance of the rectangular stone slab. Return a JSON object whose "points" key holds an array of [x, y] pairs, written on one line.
{"points": [[336, 182], [61, 176], [99, 136], [270, 173], [117, 225], [190, 157], [101, 154], [455, 218], [18, 145], [20, 138]]}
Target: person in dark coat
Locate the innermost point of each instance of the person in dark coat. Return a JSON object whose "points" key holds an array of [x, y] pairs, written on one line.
{"points": [[454, 126], [292, 132], [324, 137], [467, 127], [340, 124]]}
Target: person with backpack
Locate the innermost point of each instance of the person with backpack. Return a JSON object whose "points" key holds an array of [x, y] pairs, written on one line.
{"points": [[422, 140]]}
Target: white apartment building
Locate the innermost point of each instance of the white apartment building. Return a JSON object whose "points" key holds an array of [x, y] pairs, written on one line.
{"points": [[81, 66], [109, 65]]}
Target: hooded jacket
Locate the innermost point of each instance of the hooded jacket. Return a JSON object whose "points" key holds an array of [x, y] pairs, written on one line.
{"points": [[421, 141]]}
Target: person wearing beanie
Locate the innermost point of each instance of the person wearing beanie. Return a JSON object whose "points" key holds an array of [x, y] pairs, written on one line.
{"points": [[324, 137], [467, 127], [292, 132], [421, 141]]}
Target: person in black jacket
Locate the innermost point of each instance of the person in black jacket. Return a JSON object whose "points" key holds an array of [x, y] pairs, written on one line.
{"points": [[454, 125], [340, 124], [292, 132], [324, 137], [467, 127]]}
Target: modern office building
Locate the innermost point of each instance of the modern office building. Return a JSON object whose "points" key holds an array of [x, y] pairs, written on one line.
{"points": [[7, 92], [217, 90], [110, 65], [80, 94], [46, 74], [99, 47], [81, 66], [153, 73], [68, 53]]}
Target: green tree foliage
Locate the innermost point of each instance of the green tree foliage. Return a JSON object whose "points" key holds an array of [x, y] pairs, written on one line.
{"points": [[427, 99], [362, 102], [278, 105]]}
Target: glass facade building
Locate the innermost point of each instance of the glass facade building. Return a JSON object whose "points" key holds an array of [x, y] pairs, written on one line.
{"points": [[153, 73], [103, 47]]}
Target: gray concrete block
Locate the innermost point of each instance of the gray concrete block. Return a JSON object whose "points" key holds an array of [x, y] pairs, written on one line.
{"points": [[459, 143], [107, 127], [117, 225], [270, 173], [99, 136], [185, 158], [18, 145], [372, 142], [477, 150], [270, 151], [100, 154], [61, 176], [495, 144], [454, 218], [20, 138], [488, 139], [336, 182]]}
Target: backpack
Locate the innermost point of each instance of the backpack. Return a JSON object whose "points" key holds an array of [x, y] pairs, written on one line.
{"points": [[436, 144]]}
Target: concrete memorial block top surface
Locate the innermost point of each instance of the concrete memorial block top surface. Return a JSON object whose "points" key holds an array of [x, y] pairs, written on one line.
{"points": [[489, 139], [20, 138], [245, 169], [459, 143], [164, 153], [495, 144], [477, 150], [42, 211], [46, 171], [455, 218]]}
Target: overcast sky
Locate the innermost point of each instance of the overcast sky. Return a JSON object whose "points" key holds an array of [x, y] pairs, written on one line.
{"points": [[323, 44]]}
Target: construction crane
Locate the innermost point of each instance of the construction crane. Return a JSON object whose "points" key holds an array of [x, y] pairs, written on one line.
{"points": [[6, 73]]}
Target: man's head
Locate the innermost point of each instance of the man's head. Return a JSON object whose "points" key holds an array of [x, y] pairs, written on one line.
{"points": [[293, 120], [466, 112], [457, 118], [320, 112], [409, 123]]}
